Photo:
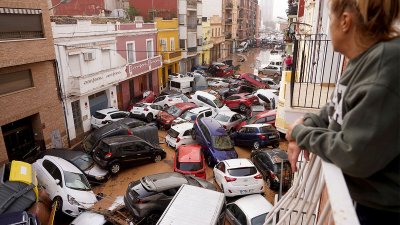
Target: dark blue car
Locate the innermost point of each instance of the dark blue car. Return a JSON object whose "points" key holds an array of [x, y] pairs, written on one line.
{"points": [[256, 136], [214, 140]]}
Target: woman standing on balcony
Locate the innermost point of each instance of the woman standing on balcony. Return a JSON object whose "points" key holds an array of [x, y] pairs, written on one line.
{"points": [[359, 130]]}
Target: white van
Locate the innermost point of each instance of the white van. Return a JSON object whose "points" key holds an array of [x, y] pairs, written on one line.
{"points": [[183, 84], [195, 206]]}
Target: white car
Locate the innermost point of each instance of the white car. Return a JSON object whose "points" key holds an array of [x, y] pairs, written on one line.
{"points": [[147, 111], [202, 98], [65, 183], [271, 83], [105, 116], [192, 114], [180, 134], [270, 70], [217, 82], [248, 210], [229, 120], [238, 177], [268, 97], [169, 100]]}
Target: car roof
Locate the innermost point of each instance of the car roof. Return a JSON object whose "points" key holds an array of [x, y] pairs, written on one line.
{"points": [[254, 205], [238, 163], [107, 111], [227, 113], [64, 164], [121, 139], [276, 155], [258, 125], [241, 94], [163, 181], [185, 105], [64, 153], [182, 127], [267, 113], [189, 153], [213, 126], [182, 79], [205, 94], [107, 129]]}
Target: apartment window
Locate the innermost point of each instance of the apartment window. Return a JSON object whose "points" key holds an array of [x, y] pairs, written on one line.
{"points": [[74, 64], [182, 43], [130, 52], [149, 48], [20, 24], [172, 44], [163, 43], [181, 19], [15, 81], [106, 58]]}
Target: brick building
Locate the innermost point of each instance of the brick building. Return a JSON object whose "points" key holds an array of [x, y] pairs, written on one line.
{"points": [[30, 109]]}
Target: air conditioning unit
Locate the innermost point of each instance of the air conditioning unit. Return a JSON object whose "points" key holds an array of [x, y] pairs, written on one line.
{"points": [[163, 42], [88, 56]]}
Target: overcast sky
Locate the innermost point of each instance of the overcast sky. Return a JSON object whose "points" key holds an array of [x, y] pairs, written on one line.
{"points": [[280, 7]]}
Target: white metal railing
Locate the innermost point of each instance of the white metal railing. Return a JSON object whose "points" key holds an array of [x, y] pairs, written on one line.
{"points": [[302, 204]]}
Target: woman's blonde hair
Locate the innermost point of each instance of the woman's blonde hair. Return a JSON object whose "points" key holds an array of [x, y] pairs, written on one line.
{"points": [[376, 19]]}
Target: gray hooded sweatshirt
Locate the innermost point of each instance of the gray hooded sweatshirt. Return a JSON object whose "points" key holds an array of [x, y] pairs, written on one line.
{"points": [[359, 130]]}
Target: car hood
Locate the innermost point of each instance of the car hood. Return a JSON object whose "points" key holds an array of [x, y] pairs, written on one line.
{"points": [[225, 154], [96, 171], [86, 199], [166, 117]]}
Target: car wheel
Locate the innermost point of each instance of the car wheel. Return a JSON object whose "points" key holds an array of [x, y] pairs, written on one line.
{"points": [[209, 161], [268, 182], [193, 133], [275, 145], [242, 108], [149, 117], [256, 145], [157, 158], [115, 168], [165, 106], [59, 202], [153, 218]]}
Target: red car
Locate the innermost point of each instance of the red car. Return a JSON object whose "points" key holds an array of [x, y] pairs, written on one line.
{"points": [[254, 80], [241, 101], [189, 159], [148, 97], [264, 117], [165, 118], [220, 70]]}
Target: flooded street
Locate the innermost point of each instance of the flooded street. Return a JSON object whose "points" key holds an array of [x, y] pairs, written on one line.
{"points": [[254, 58]]}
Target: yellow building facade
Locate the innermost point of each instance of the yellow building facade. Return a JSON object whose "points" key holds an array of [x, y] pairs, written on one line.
{"points": [[207, 44], [168, 46]]}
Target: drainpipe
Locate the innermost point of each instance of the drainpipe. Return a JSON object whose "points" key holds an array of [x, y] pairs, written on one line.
{"points": [[61, 98]]}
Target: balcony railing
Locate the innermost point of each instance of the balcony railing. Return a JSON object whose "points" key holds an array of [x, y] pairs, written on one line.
{"points": [[315, 71], [228, 21], [192, 49], [21, 35], [192, 4], [171, 56], [319, 195]]}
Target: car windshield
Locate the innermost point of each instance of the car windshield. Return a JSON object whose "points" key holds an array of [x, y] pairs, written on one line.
{"points": [[189, 166], [174, 111], [259, 220], [83, 162], [222, 142], [173, 133], [218, 103], [222, 118], [242, 171], [188, 116], [99, 116], [76, 181]]}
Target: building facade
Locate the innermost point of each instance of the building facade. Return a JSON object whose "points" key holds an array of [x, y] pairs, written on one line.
{"points": [[30, 109], [247, 19], [217, 38], [206, 39], [103, 65], [230, 21], [114, 8], [168, 47]]}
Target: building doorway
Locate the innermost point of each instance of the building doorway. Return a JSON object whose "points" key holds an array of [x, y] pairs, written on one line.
{"points": [[77, 117], [98, 101]]}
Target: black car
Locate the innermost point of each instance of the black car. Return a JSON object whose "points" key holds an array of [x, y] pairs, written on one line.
{"points": [[121, 127], [84, 162], [270, 163], [125, 150], [21, 218], [149, 197]]}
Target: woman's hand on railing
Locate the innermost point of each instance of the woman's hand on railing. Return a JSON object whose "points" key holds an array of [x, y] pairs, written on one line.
{"points": [[291, 127], [293, 154]]}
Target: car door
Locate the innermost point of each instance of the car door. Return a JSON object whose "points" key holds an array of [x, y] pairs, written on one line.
{"points": [[127, 153], [233, 102], [260, 161], [251, 135], [235, 215], [50, 173], [240, 135], [219, 173]]}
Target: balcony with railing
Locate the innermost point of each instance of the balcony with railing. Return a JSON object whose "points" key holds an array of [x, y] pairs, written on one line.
{"points": [[192, 5], [170, 57], [319, 195]]}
